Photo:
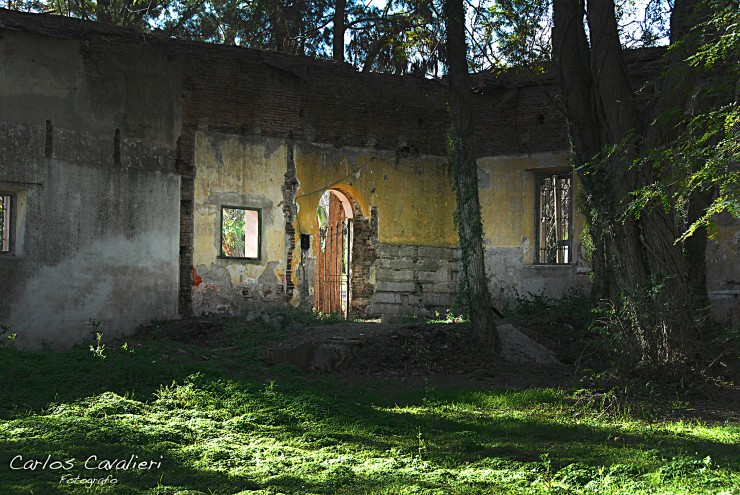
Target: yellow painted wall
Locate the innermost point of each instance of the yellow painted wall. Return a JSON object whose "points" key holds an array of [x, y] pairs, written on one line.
{"points": [[507, 195], [414, 196], [239, 171]]}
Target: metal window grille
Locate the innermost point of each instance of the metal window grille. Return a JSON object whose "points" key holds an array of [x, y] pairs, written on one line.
{"points": [[554, 228]]}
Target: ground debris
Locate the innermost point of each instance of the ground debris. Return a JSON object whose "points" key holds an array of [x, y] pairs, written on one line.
{"points": [[408, 350]]}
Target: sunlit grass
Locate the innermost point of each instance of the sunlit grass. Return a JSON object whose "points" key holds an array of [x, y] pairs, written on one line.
{"points": [[236, 425]]}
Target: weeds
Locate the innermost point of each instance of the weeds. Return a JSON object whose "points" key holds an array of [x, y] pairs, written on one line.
{"points": [[610, 403], [97, 348], [448, 317], [567, 322], [7, 339], [547, 465]]}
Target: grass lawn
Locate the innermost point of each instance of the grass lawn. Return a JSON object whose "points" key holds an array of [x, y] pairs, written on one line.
{"points": [[213, 418]]}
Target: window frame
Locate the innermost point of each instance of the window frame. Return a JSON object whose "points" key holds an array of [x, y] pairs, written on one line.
{"points": [[10, 228], [221, 236], [538, 177]]}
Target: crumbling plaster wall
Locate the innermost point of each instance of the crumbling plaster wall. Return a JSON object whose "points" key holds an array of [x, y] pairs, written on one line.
{"points": [[413, 194], [117, 104], [245, 171], [88, 149], [507, 193], [400, 203], [408, 263], [298, 100]]}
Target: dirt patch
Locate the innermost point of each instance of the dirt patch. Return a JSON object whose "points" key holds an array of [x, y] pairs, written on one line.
{"points": [[444, 351], [195, 330]]}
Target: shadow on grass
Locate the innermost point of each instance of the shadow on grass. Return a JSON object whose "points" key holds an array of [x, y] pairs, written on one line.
{"points": [[208, 428]]}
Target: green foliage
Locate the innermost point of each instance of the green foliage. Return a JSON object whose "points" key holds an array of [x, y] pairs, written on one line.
{"points": [[567, 322], [304, 318], [703, 159], [234, 425], [638, 329], [405, 36], [233, 240], [395, 36], [7, 339], [133, 14], [614, 403], [448, 317], [401, 37], [97, 348], [721, 38], [515, 34]]}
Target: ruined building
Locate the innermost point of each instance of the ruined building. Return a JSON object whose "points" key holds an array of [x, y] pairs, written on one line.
{"points": [[144, 178]]}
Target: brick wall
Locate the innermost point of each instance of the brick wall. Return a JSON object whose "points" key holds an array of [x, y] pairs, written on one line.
{"points": [[364, 256]]}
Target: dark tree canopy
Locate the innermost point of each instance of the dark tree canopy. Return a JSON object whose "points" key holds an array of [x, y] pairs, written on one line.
{"points": [[396, 36]]}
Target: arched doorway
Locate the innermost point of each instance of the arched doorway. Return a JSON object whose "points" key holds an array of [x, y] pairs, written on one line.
{"points": [[334, 256]]}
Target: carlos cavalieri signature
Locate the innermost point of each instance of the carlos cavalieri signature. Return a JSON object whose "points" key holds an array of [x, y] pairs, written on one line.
{"points": [[95, 465]]}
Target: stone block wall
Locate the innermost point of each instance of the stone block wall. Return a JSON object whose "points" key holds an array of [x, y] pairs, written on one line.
{"points": [[723, 270], [414, 280]]}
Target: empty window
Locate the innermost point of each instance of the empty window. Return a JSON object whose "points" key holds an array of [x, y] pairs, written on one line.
{"points": [[240, 232], [6, 222], [553, 231]]}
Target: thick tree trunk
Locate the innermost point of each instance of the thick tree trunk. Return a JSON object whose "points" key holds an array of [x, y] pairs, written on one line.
{"points": [[573, 61], [465, 172], [638, 265], [281, 40]]}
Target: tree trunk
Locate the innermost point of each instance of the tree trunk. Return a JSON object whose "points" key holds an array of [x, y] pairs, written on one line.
{"points": [[638, 265], [573, 61], [281, 39], [465, 172], [338, 32]]}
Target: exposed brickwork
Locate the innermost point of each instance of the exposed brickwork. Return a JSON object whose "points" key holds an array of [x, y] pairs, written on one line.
{"points": [[520, 113], [290, 187], [364, 254], [511, 119], [241, 90]]}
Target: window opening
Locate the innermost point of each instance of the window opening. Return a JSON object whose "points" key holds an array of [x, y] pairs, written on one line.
{"points": [[240, 232], [554, 219], [6, 222]]}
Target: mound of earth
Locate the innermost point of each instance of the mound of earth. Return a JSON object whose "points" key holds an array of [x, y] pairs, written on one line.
{"points": [[405, 349], [194, 330]]}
